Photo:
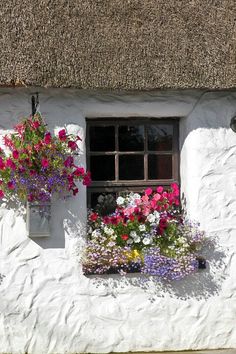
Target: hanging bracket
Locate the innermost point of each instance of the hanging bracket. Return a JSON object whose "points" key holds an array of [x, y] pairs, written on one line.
{"points": [[34, 103]]}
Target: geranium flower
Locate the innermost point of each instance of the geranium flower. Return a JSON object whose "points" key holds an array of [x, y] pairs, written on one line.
{"points": [[72, 145], [93, 216], [148, 191], [69, 161], [45, 163], [15, 154], [47, 138], [1, 194], [124, 237], [62, 135], [160, 189], [10, 164], [10, 185], [79, 171]]}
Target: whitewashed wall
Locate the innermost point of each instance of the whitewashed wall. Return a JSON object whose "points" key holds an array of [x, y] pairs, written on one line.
{"points": [[48, 306]]}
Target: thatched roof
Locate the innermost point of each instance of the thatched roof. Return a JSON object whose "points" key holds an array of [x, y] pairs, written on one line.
{"points": [[118, 44]]}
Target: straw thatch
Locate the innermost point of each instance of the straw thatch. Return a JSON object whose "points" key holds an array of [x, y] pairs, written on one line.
{"points": [[118, 44]]}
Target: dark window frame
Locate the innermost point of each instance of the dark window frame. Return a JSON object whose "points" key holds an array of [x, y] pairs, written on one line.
{"points": [[117, 186]]}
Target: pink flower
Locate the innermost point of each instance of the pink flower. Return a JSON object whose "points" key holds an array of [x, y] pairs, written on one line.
{"points": [[62, 135], [69, 161], [93, 216], [10, 185], [156, 197], [175, 189], [1, 194], [45, 163], [15, 154], [145, 198], [47, 138], [38, 146], [72, 145], [8, 142], [11, 164], [160, 189], [2, 164], [148, 191]]}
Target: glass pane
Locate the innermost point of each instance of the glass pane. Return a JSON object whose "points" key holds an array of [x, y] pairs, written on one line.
{"points": [[102, 138], [103, 203], [160, 166], [160, 137], [102, 168], [131, 167], [131, 138]]}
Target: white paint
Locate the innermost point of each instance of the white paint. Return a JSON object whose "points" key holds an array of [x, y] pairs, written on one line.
{"points": [[48, 306]]}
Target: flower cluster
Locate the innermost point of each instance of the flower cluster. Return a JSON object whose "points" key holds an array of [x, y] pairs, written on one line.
{"points": [[34, 164], [145, 233]]}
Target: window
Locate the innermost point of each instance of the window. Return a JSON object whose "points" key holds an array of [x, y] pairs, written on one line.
{"points": [[129, 155]]}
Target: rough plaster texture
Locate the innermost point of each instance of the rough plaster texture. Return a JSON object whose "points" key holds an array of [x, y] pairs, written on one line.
{"points": [[48, 306]]}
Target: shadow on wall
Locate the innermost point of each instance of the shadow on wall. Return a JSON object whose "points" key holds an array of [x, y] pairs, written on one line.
{"points": [[201, 285]]}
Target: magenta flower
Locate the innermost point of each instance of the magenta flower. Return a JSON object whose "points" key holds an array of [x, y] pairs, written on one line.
{"points": [[79, 171], [72, 145], [1, 194], [62, 135], [148, 191], [47, 138], [15, 154], [11, 164], [10, 185], [45, 163], [2, 164], [69, 161]]}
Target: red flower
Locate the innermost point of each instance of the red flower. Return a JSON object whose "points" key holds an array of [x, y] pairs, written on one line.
{"points": [[45, 163], [47, 138], [93, 217], [79, 171], [124, 237], [163, 223], [75, 191], [131, 218], [62, 135], [87, 179], [30, 197], [2, 164], [11, 164], [10, 185], [1, 194], [72, 145], [35, 125], [15, 154]]}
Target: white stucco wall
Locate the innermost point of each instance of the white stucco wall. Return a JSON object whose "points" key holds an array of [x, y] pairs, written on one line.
{"points": [[48, 306]]}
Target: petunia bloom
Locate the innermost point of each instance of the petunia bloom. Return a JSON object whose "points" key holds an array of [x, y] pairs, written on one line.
{"points": [[45, 163], [72, 145], [62, 135]]}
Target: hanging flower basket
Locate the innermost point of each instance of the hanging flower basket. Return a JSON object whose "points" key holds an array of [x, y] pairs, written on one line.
{"points": [[35, 165]]}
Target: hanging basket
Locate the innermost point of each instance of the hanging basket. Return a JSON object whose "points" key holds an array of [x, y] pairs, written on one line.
{"points": [[38, 219]]}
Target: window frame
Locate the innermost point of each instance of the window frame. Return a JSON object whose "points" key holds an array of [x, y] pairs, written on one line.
{"points": [[117, 185]]}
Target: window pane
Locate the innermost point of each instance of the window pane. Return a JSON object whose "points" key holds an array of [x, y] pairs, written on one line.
{"points": [[131, 138], [102, 138], [131, 167], [104, 203], [159, 166], [160, 137], [102, 168]]}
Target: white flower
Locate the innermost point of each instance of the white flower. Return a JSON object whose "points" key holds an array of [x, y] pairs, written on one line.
{"points": [[108, 231], [142, 227], [96, 233], [147, 240], [120, 200], [151, 218], [111, 244], [157, 215], [133, 234], [136, 196], [137, 239], [129, 241]]}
